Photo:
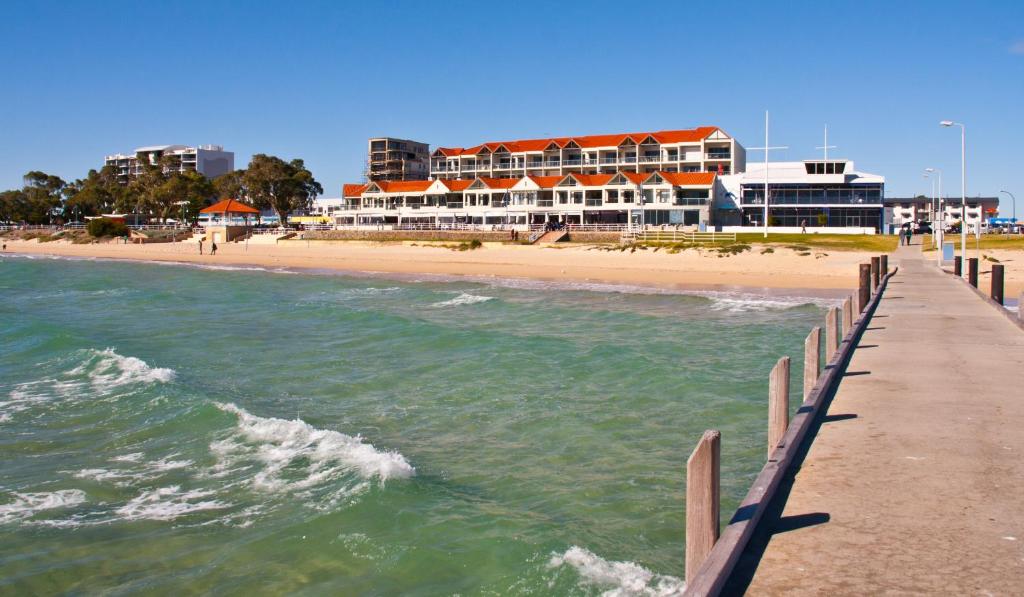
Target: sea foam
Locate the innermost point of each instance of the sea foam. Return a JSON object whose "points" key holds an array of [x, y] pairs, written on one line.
{"points": [[26, 505], [464, 298], [616, 579], [168, 503], [295, 455], [106, 369]]}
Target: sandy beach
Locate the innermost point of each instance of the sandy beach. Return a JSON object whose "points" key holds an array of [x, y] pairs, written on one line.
{"points": [[781, 269]]}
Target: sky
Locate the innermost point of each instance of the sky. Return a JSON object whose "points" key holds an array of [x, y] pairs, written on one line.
{"points": [[314, 80]]}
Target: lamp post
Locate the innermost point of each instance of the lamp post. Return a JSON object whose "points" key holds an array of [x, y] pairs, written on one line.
{"points": [[1014, 205], [940, 229], [963, 191], [933, 203]]}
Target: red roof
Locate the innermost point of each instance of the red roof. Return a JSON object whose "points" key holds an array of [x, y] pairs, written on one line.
{"points": [[546, 182], [456, 184], [703, 179], [403, 186], [675, 136], [592, 180], [635, 177], [352, 190], [499, 183], [230, 206]]}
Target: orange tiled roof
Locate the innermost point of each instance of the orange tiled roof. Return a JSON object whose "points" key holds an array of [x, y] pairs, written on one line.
{"points": [[592, 180], [499, 183], [546, 182], [674, 136], [635, 177], [403, 186], [456, 184], [352, 190], [231, 206], [689, 178]]}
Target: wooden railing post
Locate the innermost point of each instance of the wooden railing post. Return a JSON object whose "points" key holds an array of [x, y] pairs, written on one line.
{"points": [[778, 403], [884, 264], [997, 283], [875, 264], [1020, 307], [972, 271], [812, 360], [847, 315], [831, 333], [958, 266], [702, 500], [865, 287]]}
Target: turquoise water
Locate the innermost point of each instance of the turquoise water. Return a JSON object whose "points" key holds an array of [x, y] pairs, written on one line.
{"points": [[175, 429]]}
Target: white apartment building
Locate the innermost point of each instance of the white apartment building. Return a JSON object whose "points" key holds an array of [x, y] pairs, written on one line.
{"points": [[900, 210], [209, 160], [619, 198], [702, 149]]}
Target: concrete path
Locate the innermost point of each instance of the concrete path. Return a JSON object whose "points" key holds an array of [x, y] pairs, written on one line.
{"points": [[915, 481]]}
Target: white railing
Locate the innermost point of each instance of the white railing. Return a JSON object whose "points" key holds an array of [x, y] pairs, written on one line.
{"points": [[675, 235], [598, 227]]}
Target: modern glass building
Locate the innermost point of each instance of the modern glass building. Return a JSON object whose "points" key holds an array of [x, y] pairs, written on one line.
{"points": [[813, 193]]}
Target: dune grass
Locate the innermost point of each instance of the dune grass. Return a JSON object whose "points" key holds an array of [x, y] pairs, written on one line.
{"points": [[1012, 242], [876, 243]]}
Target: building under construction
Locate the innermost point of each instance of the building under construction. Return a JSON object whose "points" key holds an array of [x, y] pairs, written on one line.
{"points": [[397, 159]]}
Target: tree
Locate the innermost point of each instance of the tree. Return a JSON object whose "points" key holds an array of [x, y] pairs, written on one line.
{"points": [[231, 186], [97, 193], [44, 194], [13, 206], [189, 186], [282, 186]]}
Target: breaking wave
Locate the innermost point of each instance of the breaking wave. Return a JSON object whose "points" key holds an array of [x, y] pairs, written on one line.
{"points": [[294, 455], [26, 505], [106, 369], [464, 298], [168, 503], [616, 579]]}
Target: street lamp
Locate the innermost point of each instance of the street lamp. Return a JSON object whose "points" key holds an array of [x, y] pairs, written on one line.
{"points": [[940, 229], [1014, 204], [963, 193]]}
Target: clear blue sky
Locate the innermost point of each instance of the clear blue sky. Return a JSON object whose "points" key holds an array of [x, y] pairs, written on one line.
{"points": [[315, 79]]}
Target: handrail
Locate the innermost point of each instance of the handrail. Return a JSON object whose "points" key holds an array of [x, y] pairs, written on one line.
{"points": [[714, 573]]}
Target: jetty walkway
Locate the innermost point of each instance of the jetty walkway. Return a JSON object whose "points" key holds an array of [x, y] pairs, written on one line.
{"points": [[914, 483]]}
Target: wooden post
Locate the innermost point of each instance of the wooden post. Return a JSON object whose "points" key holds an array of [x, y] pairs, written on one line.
{"points": [[831, 333], [847, 315], [702, 501], [1020, 307], [778, 403], [997, 283], [884, 264], [875, 264], [972, 271], [812, 360], [958, 266], [865, 287]]}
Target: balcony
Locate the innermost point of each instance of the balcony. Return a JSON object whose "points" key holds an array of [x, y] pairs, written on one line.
{"points": [[545, 203], [718, 155], [593, 203], [609, 160], [650, 159], [575, 162]]}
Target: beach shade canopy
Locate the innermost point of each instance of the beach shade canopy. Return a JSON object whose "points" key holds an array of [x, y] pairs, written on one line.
{"points": [[229, 206]]}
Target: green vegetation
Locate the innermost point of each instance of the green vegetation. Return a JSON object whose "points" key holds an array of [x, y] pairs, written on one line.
{"points": [[875, 243], [1011, 242], [101, 227]]}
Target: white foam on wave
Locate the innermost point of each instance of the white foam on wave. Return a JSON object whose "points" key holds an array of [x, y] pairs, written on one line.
{"points": [[296, 456], [464, 298], [107, 369], [168, 503], [26, 505], [125, 477], [616, 579]]}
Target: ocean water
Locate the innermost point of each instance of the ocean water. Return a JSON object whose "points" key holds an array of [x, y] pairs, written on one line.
{"points": [[174, 429]]}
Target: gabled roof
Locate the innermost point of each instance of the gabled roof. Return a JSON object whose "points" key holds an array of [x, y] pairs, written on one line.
{"points": [[590, 180], [586, 141], [403, 186], [455, 184], [230, 206], [635, 177], [545, 182], [352, 190], [683, 179], [498, 183]]}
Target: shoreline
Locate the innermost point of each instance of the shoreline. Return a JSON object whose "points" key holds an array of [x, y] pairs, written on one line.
{"points": [[783, 272]]}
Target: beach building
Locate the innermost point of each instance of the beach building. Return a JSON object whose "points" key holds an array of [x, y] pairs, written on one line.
{"points": [[701, 149], [822, 194], [389, 158], [209, 160], [614, 199], [900, 210]]}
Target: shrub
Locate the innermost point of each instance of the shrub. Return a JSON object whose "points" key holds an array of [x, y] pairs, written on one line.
{"points": [[106, 227]]}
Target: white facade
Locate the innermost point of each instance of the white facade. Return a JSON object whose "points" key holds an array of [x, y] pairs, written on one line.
{"points": [[702, 149], [923, 209], [209, 160]]}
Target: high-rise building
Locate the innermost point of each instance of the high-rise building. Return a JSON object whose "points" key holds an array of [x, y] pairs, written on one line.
{"points": [[209, 160], [397, 159]]}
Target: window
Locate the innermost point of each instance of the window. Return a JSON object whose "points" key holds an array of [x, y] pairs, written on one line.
{"points": [[613, 197]]}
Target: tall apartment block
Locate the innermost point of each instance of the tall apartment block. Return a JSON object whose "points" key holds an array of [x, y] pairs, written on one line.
{"points": [[209, 160], [702, 149], [397, 159]]}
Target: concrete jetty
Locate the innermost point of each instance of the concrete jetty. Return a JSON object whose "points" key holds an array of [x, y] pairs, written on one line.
{"points": [[914, 482]]}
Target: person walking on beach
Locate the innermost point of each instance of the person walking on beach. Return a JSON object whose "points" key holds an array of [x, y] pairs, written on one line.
{"points": [[200, 246], [803, 226], [213, 248]]}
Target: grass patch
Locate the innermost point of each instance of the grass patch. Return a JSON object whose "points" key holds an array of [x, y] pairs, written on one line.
{"points": [[1010, 242], [875, 243]]}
